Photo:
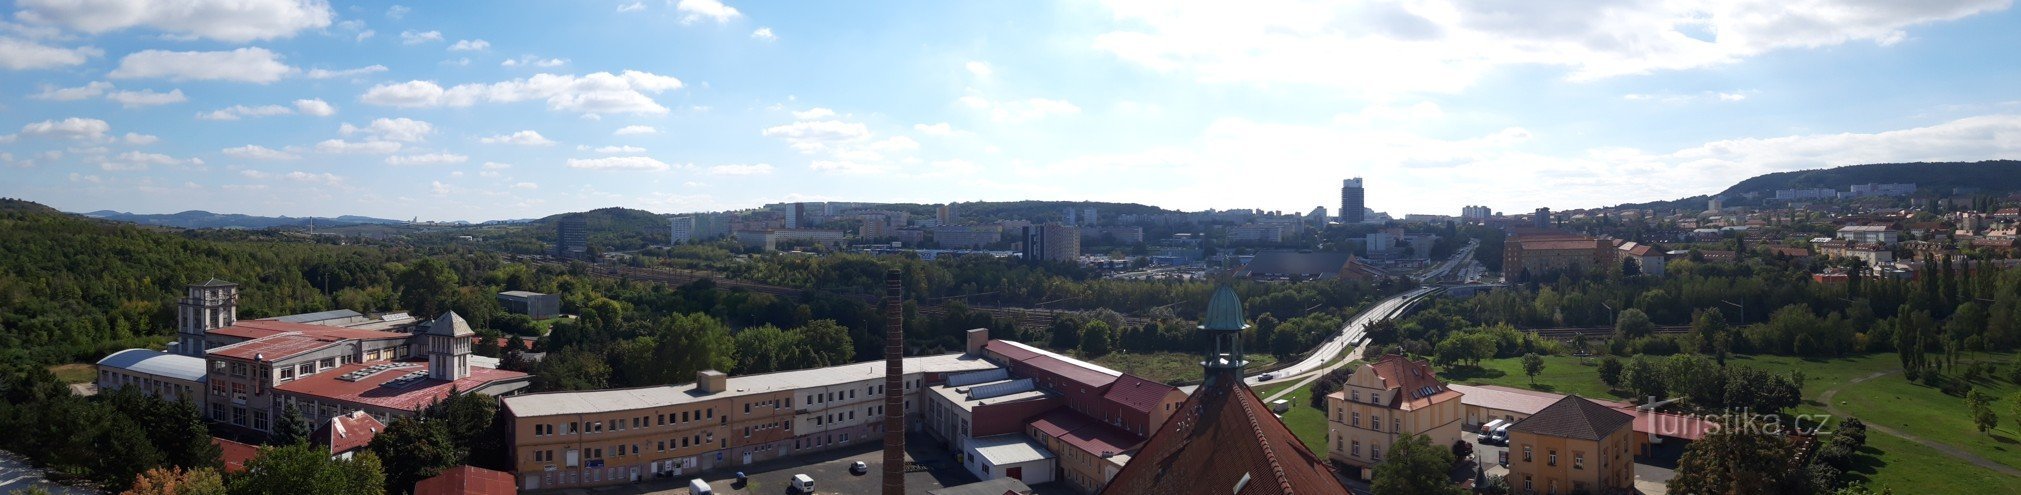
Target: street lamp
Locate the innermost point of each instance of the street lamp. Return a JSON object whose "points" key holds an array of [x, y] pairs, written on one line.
{"points": [[1743, 310], [1613, 317]]}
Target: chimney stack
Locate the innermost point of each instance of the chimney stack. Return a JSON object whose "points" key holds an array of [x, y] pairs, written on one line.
{"points": [[894, 384]]}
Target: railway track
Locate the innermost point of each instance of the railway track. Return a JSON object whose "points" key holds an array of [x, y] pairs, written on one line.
{"points": [[1591, 332]]}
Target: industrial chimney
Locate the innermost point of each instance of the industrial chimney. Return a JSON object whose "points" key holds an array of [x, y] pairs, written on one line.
{"points": [[894, 384]]}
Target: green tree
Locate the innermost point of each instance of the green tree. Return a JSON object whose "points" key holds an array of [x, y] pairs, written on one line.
{"points": [[1532, 365], [826, 342], [302, 469], [1644, 379], [291, 428], [426, 287], [1735, 461], [176, 481], [1981, 405], [1610, 371], [691, 343], [572, 369], [765, 349], [1413, 465], [1633, 324], [414, 450], [1096, 339]]}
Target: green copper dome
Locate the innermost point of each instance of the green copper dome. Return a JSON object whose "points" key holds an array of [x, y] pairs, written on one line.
{"points": [[1224, 312]]}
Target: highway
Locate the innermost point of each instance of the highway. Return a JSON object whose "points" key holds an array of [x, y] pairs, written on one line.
{"points": [[1349, 340]]}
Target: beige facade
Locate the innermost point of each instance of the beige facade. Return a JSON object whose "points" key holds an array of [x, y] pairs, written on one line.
{"points": [[1546, 464], [1384, 401]]}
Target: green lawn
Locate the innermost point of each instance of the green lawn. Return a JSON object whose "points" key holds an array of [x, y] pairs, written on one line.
{"points": [[75, 372], [547, 325], [1571, 375], [1929, 413], [1907, 468], [1305, 421], [1167, 367]]}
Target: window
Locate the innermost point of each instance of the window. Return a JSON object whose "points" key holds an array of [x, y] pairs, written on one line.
{"points": [[1354, 395], [1526, 454], [1375, 422], [1355, 450], [1554, 457], [217, 412], [1356, 421], [306, 369], [1396, 423], [1578, 460], [1374, 453], [329, 362], [1529, 484]]}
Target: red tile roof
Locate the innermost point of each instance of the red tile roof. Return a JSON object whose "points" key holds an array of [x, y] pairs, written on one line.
{"points": [[405, 398], [274, 347], [349, 432], [1505, 398], [235, 454], [1137, 393], [1008, 351], [253, 329], [1085, 433], [468, 480], [1069, 371], [1417, 384], [1222, 434]]}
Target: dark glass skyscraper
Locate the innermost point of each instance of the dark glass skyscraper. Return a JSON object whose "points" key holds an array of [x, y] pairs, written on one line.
{"points": [[1351, 207]]}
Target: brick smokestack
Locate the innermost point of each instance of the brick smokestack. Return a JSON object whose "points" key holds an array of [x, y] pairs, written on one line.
{"points": [[894, 384]]}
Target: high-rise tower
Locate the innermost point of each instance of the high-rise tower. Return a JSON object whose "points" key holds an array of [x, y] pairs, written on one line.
{"points": [[1351, 207], [208, 306]]}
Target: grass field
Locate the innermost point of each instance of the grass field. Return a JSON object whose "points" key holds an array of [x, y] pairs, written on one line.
{"points": [[1167, 367], [1305, 421], [1888, 461], [75, 372]]}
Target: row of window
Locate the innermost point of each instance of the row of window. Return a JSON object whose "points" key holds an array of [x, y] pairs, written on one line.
{"points": [[1374, 421], [620, 424]]}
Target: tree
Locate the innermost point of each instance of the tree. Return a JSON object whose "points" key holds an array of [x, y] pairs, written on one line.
{"points": [[1096, 339], [426, 287], [1983, 416], [1633, 324], [1644, 379], [302, 469], [414, 450], [827, 343], [1735, 461], [291, 428], [176, 481], [572, 369], [1610, 371], [1532, 365], [1413, 465]]}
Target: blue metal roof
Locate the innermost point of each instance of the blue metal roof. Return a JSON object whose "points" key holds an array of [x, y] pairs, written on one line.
{"points": [[1224, 312], [152, 362]]}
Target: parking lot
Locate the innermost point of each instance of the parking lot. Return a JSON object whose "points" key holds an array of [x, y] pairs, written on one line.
{"points": [[1649, 479], [929, 467]]}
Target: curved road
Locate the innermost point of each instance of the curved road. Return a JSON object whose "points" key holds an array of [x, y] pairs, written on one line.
{"points": [[1949, 450]]}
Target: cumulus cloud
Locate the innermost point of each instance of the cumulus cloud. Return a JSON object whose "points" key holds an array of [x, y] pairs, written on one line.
{"points": [[810, 136], [764, 34], [223, 20], [296, 176], [597, 93], [145, 98], [693, 11], [521, 138], [416, 38], [1446, 45], [741, 169], [844, 147], [252, 64], [940, 129], [612, 150], [979, 68], [470, 46], [617, 163], [496, 166], [633, 130], [236, 112], [332, 74], [138, 139], [427, 159], [316, 107], [136, 161], [813, 113], [632, 7], [1020, 111], [397, 129], [87, 91], [78, 128], [257, 152], [19, 54], [533, 61], [397, 12], [358, 147], [526, 186]]}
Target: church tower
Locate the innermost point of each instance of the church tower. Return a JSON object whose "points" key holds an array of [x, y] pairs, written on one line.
{"points": [[208, 306], [449, 348], [1223, 325]]}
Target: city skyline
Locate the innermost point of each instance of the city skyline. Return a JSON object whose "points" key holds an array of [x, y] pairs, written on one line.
{"points": [[301, 108]]}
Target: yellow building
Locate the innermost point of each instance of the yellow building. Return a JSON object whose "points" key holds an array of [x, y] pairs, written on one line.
{"points": [[1573, 446], [1383, 401]]}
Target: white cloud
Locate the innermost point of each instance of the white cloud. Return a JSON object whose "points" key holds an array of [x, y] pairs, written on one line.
{"points": [[397, 11], [526, 186], [18, 54], [70, 128], [253, 65], [145, 98], [741, 169], [617, 163], [813, 113], [397, 129], [522, 138], [223, 20], [416, 38], [470, 46], [427, 159], [135, 161], [87, 91], [632, 7], [764, 34], [1683, 98], [632, 130], [257, 152], [811, 136], [138, 139], [1446, 45], [940, 129], [1020, 111], [845, 147], [713, 10], [496, 166], [315, 107], [612, 150], [596, 93], [296, 176], [364, 147], [332, 74], [533, 61], [234, 112], [979, 68], [848, 167]]}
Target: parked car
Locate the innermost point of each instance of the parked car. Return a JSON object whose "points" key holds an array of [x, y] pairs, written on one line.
{"points": [[698, 487], [859, 467], [802, 484]]}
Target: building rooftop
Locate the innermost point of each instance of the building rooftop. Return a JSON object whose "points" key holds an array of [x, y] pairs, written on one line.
{"points": [[1419, 385], [1505, 398], [1042, 352], [1529, 245], [253, 329], [1225, 438], [624, 399], [215, 282], [1086, 433], [1009, 449], [235, 455], [1137, 393], [967, 397], [520, 293], [1575, 417], [405, 386], [1295, 263], [153, 362], [999, 486], [450, 324], [349, 432], [274, 347], [319, 316], [468, 480]]}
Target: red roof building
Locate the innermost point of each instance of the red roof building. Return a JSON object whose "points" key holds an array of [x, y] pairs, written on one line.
{"points": [[235, 454], [403, 388], [349, 433], [1224, 439], [467, 480]]}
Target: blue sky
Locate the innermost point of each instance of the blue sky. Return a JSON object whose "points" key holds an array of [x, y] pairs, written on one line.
{"points": [[478, 111]]}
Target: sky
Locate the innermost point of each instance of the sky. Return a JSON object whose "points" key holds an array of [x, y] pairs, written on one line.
{"points": [[517, 109]]}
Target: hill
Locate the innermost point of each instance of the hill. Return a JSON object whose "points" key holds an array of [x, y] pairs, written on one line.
{"points": [[199, 219], [1992, 176]]}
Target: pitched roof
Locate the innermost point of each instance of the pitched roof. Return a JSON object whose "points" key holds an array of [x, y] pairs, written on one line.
{"points": [[468, 480], [1225, 439], [387, 388], [1085, 433], [235, 454], [349, 432], [1137, 393], [450, 324], [215, 282], [1575, 417], [1414, 379], [1504, 398]]}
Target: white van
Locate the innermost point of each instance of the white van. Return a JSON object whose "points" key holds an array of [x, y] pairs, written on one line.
{"points": [[1488, 429], [698, 487], [1501, 435], [802, 483]]}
